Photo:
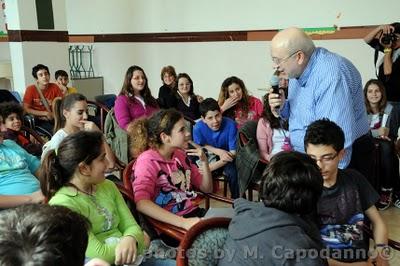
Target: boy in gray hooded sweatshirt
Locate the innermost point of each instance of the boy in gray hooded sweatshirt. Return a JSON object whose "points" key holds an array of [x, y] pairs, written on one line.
{"points": [[278, 230]]}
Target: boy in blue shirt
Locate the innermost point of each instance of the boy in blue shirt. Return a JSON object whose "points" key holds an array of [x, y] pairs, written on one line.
{"points": [[217, 135]]}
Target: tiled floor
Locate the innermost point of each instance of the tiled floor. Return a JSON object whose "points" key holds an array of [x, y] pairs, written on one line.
{"points": [[391, 216]]}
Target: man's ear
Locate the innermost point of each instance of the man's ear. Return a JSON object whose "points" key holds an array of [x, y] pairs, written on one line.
{"points": [[301, 57], [84, 169], [341, 154]]}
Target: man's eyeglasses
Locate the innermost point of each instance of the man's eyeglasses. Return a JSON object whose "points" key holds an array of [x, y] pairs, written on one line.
{"points": [[278, 61], [327, 158]]}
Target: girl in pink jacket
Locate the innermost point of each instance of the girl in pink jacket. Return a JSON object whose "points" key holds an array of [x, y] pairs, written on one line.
{"points": [[164, 177], [272, 133]]}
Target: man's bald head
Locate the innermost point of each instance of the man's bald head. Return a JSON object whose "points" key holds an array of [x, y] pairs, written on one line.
{"points": [[291, 40]]}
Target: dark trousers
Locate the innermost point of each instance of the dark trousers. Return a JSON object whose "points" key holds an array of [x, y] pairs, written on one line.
{"points": [[231, 172], [362, 158], [387, 164]]}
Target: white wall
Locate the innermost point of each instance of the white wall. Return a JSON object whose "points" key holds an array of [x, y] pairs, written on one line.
{"points": [[29, 54], [4, 51], [142, 16], [209, 63], [21, 15]]}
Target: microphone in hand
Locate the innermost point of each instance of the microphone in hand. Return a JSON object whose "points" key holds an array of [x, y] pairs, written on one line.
{"points": [[274, 82]]}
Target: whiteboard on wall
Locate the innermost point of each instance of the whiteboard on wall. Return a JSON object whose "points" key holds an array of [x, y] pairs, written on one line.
{"points": [[144, 16]]}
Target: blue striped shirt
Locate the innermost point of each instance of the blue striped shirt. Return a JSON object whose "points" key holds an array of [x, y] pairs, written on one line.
{"points": [[329, 87]]}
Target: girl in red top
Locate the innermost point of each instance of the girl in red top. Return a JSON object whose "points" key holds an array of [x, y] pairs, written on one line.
{"points": [[236, 103]]}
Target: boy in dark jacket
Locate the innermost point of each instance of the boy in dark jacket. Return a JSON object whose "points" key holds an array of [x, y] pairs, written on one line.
{"points": [[278, 230]]}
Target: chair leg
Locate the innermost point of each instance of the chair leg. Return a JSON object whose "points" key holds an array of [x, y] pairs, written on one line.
{"points": [[207, 203], [250, 192], [225, 188]]}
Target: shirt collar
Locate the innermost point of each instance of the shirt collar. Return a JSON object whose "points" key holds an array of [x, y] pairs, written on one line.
{"points": [[302, 80], [68, 191]]}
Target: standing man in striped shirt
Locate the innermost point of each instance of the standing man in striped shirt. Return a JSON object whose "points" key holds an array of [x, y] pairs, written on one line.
{"points": [[322, 84]]}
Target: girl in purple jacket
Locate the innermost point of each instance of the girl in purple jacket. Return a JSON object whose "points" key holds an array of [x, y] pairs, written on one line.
{"points": [[135, 99]]}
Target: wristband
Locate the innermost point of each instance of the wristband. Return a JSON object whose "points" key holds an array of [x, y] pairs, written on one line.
{"points": [[387, 50], [381, 245]]}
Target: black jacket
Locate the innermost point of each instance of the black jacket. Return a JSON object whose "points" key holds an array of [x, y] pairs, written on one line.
{"points": [[248, 163]]}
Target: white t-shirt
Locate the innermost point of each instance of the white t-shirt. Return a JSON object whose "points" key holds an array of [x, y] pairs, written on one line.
{"points": [[54, 142], [278, 140]]}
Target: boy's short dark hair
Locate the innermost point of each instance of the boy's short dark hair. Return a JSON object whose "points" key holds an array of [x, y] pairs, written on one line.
{"points": [[38, 67], [324, 132], [9, 108], [60, 73], [208, 104], [292, 183], [40, 234]]}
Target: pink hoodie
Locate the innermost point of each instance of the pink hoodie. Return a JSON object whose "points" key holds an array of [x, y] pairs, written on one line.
{"points": [[166, 182]]}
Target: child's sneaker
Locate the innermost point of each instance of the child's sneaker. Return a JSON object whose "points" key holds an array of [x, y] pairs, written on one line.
{"points": [[396, 201], [385, 199]]}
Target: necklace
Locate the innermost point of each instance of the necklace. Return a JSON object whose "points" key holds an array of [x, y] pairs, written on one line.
{"points": [[90, 193], [103, 211]]}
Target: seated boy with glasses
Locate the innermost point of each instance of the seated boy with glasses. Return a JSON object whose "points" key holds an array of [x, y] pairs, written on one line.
{"points": [[347, 201]]}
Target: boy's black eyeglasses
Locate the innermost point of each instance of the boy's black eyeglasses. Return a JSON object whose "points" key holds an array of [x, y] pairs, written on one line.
{"points": [[327, 158]]}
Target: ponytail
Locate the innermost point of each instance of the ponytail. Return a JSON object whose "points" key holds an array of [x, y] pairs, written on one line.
{"points": [[59, 119], [52, 176], [59, 166]]}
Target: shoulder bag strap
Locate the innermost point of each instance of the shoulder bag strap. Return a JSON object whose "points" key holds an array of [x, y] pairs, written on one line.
{"points": [[44, 101]]}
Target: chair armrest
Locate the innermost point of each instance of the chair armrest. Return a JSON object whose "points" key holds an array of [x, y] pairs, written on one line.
{"points": [[167, 229], [218, 197], [32, 132], [392, 243]]}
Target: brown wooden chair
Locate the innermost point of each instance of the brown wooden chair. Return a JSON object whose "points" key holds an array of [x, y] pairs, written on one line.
{"points": [[161, 227], [28, 132], [197, 238]]}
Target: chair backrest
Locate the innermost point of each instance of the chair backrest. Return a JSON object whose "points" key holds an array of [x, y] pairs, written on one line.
{"points": [[17, 96], [97, 113], [204, 239], [127, 176], [107, 100], [30, 132], [7, 96]]}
